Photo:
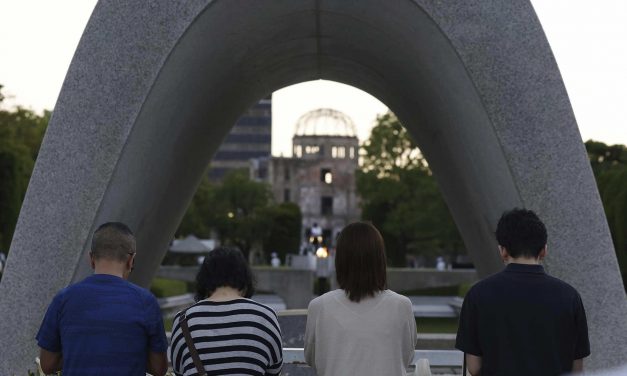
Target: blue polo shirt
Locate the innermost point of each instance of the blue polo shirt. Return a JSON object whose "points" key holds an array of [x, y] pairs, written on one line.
{"points": [[103, 325], [524, 322]]}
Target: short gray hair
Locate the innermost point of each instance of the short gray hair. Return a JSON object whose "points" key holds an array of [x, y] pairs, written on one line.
{"points": [[113, 241]]}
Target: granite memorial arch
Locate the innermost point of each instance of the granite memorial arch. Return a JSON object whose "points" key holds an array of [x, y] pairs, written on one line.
{"points": [[152, 89]]}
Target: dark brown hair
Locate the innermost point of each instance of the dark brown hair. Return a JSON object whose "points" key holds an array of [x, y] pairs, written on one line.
{"points": [[360, 261]]}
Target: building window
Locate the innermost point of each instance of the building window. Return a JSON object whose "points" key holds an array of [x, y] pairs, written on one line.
{"points": [[351, 152], [286, 195], [312, 149], [262, 173], [286, 173], [338, 152], [326, 176], [326, 205], [298, 150], [341, 152]]}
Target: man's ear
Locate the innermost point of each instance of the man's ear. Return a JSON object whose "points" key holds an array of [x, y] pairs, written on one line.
{"points": [[504, 254], [130, 263], [92, 263], [542, 253]]}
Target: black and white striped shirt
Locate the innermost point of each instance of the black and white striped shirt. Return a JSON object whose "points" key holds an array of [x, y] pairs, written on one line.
{"points": [[235, 337]]}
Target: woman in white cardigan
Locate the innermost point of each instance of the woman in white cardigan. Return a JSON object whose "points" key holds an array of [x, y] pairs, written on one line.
{"points": [[362, 328]]}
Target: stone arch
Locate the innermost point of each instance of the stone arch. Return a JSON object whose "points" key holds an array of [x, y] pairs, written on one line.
{"points": [[152, 90]]}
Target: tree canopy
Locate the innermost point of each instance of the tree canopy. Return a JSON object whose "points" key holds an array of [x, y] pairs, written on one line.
{"points": [[242, 214], [609, 165], [401, 197], [21, 133]]}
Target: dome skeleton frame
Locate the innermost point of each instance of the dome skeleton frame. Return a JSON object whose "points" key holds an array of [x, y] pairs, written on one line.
{"points": [[325, 122]]}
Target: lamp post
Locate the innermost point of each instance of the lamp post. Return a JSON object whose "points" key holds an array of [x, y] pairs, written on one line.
{"points": [[322, 270]]}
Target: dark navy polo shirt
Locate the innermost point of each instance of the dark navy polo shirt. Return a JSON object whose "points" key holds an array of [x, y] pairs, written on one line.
{"points": [[103, 325], [522, 321]]}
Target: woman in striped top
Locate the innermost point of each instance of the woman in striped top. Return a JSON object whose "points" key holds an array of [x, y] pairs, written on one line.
{"points": [[232, 334]]}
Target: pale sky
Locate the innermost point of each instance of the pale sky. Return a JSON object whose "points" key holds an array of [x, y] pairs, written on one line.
{"points": [[588, 38]]}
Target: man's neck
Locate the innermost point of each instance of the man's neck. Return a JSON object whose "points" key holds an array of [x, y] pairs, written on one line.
{"points": [[110, 268], [524, 261]]}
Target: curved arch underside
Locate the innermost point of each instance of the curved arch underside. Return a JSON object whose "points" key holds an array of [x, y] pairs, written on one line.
{"points": [[152, 91]]}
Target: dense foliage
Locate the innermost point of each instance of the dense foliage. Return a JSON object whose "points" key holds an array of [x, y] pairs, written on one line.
{"points": [[21, 132], [400, 196], [242, 213], [609, 165]]}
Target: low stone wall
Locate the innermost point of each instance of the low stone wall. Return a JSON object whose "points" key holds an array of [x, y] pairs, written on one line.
{"points": [[294, 286], [405, 279]]}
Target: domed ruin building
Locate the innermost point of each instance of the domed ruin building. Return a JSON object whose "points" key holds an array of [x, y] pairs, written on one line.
{"points": [[320, 176]]}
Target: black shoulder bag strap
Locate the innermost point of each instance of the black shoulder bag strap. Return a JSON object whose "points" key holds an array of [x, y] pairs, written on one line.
{"points": [[464, 366], [190, 344]]}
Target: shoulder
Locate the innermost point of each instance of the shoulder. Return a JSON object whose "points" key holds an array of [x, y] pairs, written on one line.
{"points": [[260, 307], [395, 298], [488, 281], [486, 284], [397, 303], [327, 298], [144, 295], [74, 290], [562, 287], [560, 284], [59, 299]]}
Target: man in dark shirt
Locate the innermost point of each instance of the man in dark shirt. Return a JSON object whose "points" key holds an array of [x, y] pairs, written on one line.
{"points": [[522, 321], [105, 325]]}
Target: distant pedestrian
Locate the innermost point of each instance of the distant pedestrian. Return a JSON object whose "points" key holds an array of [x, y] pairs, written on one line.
{"points": [[362, 328], [522, 321], [105, 325], [275, 261], [225, 332], [440, 263]]}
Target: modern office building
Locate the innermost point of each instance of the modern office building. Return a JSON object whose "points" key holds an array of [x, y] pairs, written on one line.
{"points": [[320, 176], [250, 137]]}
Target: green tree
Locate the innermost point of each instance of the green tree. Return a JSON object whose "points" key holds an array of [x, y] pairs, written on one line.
{"points": [[242, 214], [21, 133], [609, 164], [199, 215], [240, 205], [15, 169], [235, 209], [285, 226], [400, 196]]}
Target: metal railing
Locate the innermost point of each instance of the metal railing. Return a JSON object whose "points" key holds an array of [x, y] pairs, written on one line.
{"points": [[436, 358], [423, 360]]}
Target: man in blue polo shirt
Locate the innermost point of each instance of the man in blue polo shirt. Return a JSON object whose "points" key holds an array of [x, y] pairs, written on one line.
{"points": [[105, 325], [522, 321]]}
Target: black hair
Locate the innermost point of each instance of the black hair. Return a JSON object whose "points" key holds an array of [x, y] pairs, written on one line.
{"points": [[113, 241], [521, 233], [224, 267], [360, 265]]}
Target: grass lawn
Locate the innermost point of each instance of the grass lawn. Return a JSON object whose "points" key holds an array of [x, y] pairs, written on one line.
{"points": [[162, 287], [167, 323], [436, 324]]}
